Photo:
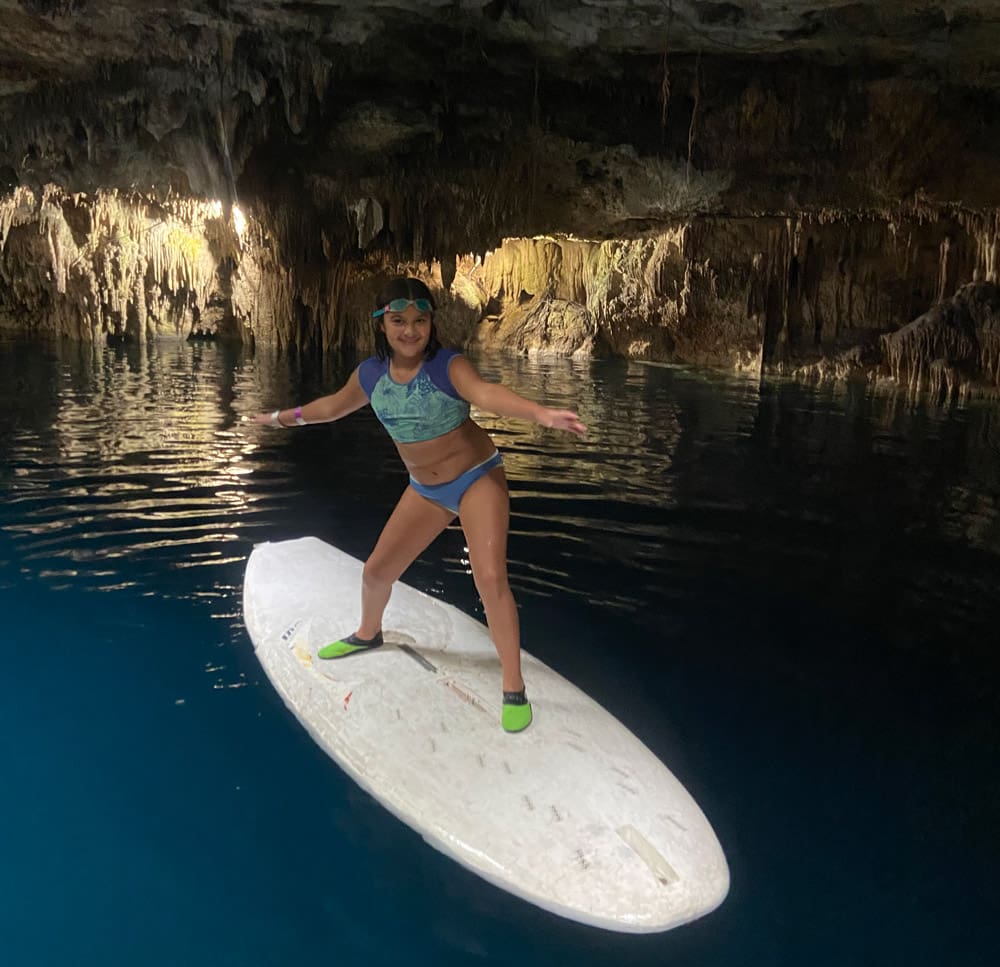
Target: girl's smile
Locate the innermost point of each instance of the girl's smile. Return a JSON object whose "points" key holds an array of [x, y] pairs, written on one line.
{"points": [[407, 331]]}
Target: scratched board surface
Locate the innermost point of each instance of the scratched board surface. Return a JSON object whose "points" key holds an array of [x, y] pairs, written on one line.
{"points": [[575, 815]]}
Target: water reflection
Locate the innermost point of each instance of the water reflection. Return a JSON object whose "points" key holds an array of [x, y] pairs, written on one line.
{"points": [[119, 464], [798, 585], [129, 456]]}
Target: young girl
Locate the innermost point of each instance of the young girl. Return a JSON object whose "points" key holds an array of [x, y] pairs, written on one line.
{"points": [[421, 394]]}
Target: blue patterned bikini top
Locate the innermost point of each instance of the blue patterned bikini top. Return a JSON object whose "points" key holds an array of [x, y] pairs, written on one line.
{"points": [[426, 407]]}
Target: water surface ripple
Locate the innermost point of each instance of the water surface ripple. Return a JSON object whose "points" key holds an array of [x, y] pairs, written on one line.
{"points": [[789, 593]]}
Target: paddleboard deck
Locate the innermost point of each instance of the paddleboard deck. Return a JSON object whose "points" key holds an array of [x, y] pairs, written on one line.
{"points": [[574, 814]]}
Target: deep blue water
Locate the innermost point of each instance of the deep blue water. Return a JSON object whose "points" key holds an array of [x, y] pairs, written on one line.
{"points": [[789, 594]]}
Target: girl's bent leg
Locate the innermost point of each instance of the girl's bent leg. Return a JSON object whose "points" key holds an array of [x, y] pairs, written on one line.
{"points": [[485, 516], [414, 523]]}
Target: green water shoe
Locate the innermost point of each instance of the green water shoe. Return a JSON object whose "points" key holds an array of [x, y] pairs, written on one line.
{"points": [[516, 715], [349, 646]]}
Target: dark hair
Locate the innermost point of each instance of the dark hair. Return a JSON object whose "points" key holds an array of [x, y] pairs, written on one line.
{"points": [[403, 287]]}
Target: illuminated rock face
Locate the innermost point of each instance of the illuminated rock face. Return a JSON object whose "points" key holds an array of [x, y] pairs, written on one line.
{"points": [[805, 296], [951, 348], [108, 265], [774, 183]]}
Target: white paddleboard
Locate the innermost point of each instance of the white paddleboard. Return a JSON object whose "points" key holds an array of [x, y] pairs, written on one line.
{"points": [[574, 814]]}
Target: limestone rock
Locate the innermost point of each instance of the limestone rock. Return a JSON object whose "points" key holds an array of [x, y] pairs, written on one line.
{"points": [[554, 327], [954, 349]]}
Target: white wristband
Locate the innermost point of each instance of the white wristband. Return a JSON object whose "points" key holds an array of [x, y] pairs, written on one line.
{"points": [[275, 422]]}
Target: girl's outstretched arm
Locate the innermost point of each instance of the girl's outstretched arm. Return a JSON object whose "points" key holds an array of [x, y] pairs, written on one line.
{"points": [[326, 409], [496, 398]]}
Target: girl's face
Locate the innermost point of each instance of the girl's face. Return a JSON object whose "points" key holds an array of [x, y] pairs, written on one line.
{"points": [[407, 332]]}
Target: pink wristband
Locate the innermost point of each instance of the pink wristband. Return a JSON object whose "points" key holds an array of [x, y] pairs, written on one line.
{"points": [[298, 417]]}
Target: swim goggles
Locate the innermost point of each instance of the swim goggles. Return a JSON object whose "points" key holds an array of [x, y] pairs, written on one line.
{"points": [[398, 305]]}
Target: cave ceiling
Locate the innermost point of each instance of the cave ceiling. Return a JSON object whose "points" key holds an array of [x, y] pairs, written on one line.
{"points": [[456, 123]]}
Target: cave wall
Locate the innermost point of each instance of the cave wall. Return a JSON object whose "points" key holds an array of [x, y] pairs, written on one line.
{"points": [[762, 185], [778, 293], [953, 349], [113, 266], [132, 267], [808, 295], [470, 122]]}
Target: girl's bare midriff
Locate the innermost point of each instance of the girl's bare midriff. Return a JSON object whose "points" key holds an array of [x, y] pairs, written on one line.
{"points": [[446, 457]]}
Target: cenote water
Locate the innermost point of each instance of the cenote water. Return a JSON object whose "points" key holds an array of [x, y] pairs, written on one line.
{"points": [[788, 593]]}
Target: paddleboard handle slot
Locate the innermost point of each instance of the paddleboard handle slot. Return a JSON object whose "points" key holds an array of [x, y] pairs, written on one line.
{"points": [[417, 657], [649, 854]]}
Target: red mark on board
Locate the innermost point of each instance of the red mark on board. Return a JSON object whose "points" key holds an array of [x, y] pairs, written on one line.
{"points": [[347, 700]]}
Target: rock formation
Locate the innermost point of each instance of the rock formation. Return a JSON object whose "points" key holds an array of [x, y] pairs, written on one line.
{"points": [[768, 185]]}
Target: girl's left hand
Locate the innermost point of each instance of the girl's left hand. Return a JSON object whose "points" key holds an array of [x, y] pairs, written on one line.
{"points": [[562, 420]]}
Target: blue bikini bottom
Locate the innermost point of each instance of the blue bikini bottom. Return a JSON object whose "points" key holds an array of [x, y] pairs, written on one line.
{"points": [[449, 494]]}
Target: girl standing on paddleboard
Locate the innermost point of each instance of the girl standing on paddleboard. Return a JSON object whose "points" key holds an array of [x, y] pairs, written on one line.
{"points": [[421, 394]]}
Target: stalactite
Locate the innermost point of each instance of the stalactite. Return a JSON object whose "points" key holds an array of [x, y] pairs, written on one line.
{"points": [[152, 263], [943, 267], [696, 95], [616, 284], [16, 209], [984, 229], [783, 293], [810, 295], [953, 349], [63, 251], [283, 294], [368, 217], [665, 72]]}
